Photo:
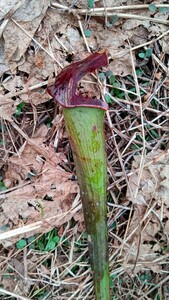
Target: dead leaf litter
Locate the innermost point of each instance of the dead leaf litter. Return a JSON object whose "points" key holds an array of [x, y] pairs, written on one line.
{"points": [[37, 177]]}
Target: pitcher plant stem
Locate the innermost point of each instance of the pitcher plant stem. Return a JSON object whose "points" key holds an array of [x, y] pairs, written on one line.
{"points": [[84, 119]]}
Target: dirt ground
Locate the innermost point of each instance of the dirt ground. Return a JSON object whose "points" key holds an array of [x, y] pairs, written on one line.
{"points": [[43, 250]]}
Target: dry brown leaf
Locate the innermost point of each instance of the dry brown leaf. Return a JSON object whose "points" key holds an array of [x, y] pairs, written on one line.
{"points": [[7, 108], [154, 180], [29, 16], [49, 193], [156, 30], [74, 41], [151, 229], [121, 64], [14, 84], [153, 191], [37, 97]]}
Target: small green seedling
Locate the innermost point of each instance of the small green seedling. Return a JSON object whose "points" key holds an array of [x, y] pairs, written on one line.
{"points": [[2, 186], [112, 21], [19, 109], [21, 244], [90, 3], [48, 241], [163, 10], [155, 9], [152, 8], [146, 54], [87, 33]]}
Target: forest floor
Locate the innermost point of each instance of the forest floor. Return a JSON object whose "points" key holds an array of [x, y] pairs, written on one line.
{"points": [[43, 251]]}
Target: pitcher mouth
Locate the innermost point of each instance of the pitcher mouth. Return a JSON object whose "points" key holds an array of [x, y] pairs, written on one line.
{"points": [[64, 89]]}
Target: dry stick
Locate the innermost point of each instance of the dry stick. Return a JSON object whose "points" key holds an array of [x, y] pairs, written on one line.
{"points": [[105, 15], [160, 63], [137, 227], [96, 12], [150, 42], [133, 16], [117, 149], [84, 37], [142, 123], [38, 224], [65, 272], [79, 276], [3, 25], [133, 172], [3, 291], [25, 264], [99, 9], [31, 88], [60, 43], [13, 188], [153, 96], [3, 137], [74, 294]]}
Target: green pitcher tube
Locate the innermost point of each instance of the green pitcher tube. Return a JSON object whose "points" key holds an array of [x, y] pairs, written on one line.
{"points": [[84, 119]]}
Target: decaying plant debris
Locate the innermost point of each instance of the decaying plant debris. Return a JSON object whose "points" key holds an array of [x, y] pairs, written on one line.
{"points": [[36, 41]]}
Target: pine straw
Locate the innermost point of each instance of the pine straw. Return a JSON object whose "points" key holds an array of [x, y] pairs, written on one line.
{"points": [[64, 273]]}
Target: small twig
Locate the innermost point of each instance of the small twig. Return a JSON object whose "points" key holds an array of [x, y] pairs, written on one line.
{"points": [[150, 42], [27, 89], [133, 16], [36, 225], [101, 12], [102, 9], [13, 188], [62, 45], [82, 31], [160, 63], [3, 291]]}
